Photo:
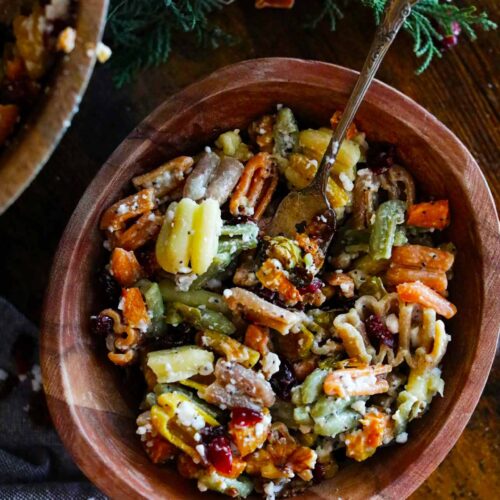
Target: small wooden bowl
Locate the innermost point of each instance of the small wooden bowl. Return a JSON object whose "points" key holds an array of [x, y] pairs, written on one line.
{"points": [[51, 116], [88, 398]]}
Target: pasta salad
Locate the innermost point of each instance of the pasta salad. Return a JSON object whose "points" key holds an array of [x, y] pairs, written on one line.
{"points": [[267, 361]]}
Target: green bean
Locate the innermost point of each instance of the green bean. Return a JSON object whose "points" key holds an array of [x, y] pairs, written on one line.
{"points": [[312, 386], [194, 298], [154, 303], [302, 416], [389, 214], [178, 312]]}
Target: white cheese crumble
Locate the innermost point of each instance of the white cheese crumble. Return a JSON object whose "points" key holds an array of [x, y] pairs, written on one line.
{"points": [[392, 323], [227, 293], [402, 438], [270, 364], [102, 52], [66, 40], [347, 184], [359, 406], [3, 375], [189, 416]]}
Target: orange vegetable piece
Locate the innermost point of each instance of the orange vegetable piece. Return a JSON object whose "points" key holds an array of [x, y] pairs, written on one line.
{"points": [[421, 294], [431, 214], [135, 312], [125, 267], [402, 274], [159, 450], [422, 256], [275, 279], [9, 113], [363, 443], [251, 437], [352, 130], [257, 338]]}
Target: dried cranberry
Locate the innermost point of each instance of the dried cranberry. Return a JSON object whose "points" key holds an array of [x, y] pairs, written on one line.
{"points": [[244, 417], [210, 432], [219, 454], [377, 332], [102, 325], [175, 336], [319, 472], [380, 156], [284, 380], [315, 285], [110, 288]]}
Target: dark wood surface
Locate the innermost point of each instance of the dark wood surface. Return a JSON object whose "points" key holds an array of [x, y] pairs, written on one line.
{"points": [[461, 90]]}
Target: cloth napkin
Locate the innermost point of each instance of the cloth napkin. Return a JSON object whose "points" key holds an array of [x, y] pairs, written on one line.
{"points": [[33, 462]]}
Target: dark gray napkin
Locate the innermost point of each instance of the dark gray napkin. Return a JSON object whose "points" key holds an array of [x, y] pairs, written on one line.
{"points": [[33, 462]]}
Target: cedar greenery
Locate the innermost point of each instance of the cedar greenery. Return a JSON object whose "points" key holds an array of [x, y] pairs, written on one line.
{"points": [[141, 32]]}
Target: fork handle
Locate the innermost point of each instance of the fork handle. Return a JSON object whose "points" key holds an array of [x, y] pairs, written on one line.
{"points": [[395, 13]]}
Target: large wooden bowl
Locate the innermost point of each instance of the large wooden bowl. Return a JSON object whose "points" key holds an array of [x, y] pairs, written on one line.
{"points": [[89, 399], [34, 143]]}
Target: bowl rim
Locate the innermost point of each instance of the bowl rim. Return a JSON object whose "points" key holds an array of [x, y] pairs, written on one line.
{"points": [[267, 69], [35, 142]]}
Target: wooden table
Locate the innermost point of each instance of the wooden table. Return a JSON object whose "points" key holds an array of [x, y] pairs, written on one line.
{"points": [[461, 90]]}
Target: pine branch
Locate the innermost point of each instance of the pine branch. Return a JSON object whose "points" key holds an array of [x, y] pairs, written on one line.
{"points": [[142, 32], [429, 20]]}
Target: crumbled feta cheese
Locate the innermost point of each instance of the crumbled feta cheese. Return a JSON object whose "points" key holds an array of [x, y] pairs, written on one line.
{"points": [[270, 364], [121, 304], [227, 293], [57, 9], [392, 323], [347, 184], [122, 209], [202, 487], [279, 106], [359, 406], [143, 326], [402, 438], [208, 149], [103, 52], [189, 416], [66, 40], [200, 448]]}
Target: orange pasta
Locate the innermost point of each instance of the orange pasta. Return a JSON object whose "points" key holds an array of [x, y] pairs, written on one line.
{"points": [[134, 308], [422, 256], [402, 274], [432, 214], [418, 293], [125, 267]]}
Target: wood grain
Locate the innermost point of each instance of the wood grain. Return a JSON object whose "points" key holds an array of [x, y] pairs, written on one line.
{"points": [[79, 384], [35, 142]]}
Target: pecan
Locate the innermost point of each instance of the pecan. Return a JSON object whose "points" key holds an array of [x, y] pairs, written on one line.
{"points": [[343, 281], [255, 187], [224, 179], [197, 182], [282, 457], [365, 198], [261, 132], [399, 184]]}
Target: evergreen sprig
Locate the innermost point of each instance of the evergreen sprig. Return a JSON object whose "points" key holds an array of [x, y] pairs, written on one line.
{"points": [[142, 32]]}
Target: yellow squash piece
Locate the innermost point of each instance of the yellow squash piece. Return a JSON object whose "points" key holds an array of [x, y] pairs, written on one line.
{"points": [[179, 363], [207, 226]]}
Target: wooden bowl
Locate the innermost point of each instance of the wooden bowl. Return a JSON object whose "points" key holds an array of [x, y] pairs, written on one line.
{"points": [[51, 116], [89, 399]]}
